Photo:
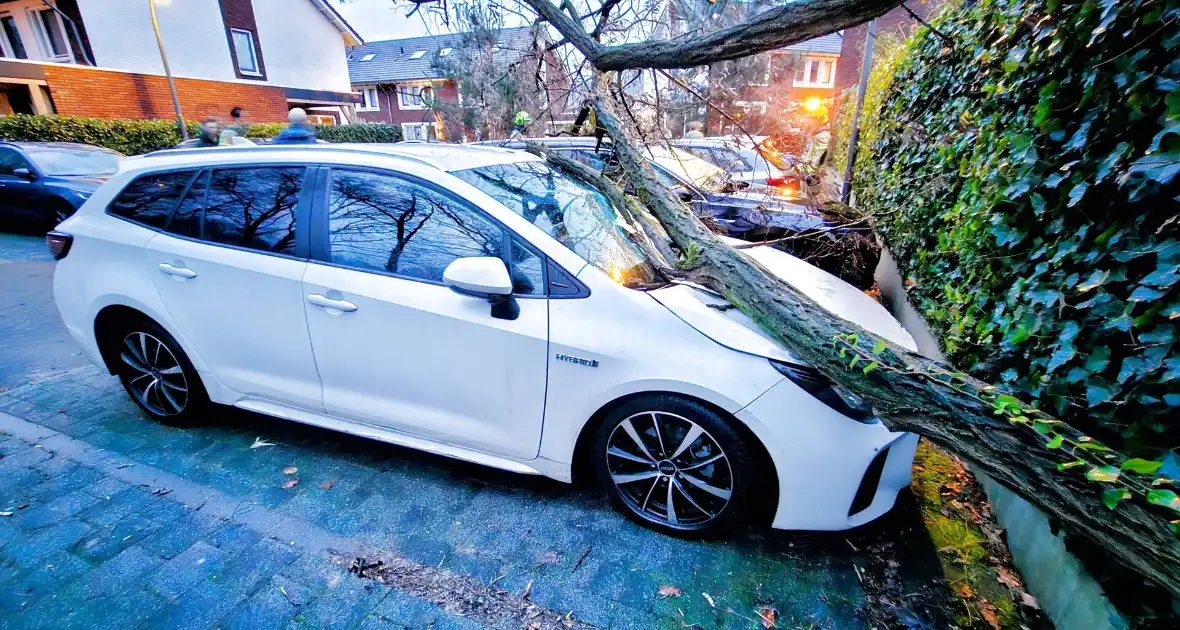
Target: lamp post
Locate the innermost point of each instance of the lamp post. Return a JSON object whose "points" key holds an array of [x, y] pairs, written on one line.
{"points": [[168, 72], [866, 65]]}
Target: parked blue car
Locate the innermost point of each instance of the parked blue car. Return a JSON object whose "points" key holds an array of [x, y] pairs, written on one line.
{"points": [[43, 183]]}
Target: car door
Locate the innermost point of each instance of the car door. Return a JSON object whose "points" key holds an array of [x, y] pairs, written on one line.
{"points": [[398, 349], [229, 267], [18, 194]]}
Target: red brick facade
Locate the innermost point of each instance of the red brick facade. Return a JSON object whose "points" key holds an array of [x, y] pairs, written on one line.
{"points": [[392, 113], [897, 23], [79, 91]]}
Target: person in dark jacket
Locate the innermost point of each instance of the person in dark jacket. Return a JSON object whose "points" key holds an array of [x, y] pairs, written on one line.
{"points": [[210, 135], [298, 132]]}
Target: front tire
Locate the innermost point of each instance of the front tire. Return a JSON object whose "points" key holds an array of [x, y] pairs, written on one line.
{"points": [[157, 374], [673, 465]]}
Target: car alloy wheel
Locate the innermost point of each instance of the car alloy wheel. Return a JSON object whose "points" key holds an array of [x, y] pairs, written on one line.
{"points": [[669, 470], [156, 378]]}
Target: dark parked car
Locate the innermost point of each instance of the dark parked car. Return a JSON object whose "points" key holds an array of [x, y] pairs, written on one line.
{"points": [[750, 213], [43, 183]]}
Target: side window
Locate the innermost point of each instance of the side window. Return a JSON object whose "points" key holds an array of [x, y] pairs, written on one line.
{"points": [[386, 223], [527, 276], [10, 161], [186, 221], [254, 208], [150, 200]]}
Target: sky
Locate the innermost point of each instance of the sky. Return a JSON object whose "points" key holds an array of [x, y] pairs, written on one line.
{"points": [[378, 20]]}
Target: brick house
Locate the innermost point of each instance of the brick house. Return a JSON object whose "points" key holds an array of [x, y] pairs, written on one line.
{"points": [[896, 22], [398, 79], [99, 58]]}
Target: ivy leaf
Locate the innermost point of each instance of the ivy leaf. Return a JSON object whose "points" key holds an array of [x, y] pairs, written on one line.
{"points": [[1166, 498], [1096, 279], [1098, 391], [1055, 442], [1076, 194], [879, 347], [1112, 496], [1074, 464], [1145, 294], [1044, 428], [870, 367], [1141, 466], [1105, 474], [1098, 359], [1060, 357]]}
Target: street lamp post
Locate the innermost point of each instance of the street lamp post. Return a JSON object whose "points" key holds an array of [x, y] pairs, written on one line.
{"points": [[168, 72], [866, 65]]}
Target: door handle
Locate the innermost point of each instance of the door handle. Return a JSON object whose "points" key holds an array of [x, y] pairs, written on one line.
{"points": [[179, 272], [327, 302]]}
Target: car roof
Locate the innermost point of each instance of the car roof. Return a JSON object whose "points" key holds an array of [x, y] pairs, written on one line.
{"points": [[75, 146], [442, 156]]}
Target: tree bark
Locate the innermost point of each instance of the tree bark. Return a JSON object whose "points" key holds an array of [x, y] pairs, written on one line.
{"points": [[772, 29], [908, 392]]}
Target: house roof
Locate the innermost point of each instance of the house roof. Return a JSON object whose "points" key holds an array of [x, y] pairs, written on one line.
{"points": [[826, 44], [351, 37], [394, 60]]}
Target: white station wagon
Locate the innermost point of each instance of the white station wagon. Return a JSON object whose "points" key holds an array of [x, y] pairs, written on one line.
{"points": [[472, 302]]}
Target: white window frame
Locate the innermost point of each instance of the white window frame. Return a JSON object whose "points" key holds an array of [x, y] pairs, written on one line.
{"points": [[812, 67], [418, 54], [407, 101], [43, 40], [425, 127], [257, 71], [6, 50], [372, 100]]}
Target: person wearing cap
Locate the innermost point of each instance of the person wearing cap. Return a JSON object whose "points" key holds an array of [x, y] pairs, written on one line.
{"points": [[298, 132]]}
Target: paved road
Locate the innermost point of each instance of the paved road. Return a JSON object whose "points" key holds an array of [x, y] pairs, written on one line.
{"points": [[119, 521]]}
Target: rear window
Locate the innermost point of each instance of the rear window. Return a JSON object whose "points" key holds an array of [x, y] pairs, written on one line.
{"points": [[149, 200]]}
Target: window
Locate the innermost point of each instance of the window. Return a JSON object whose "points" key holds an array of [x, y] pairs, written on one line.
{"points": [[150, 199], [244, 52], [418, 55], [14, 48], [389, 224], [444, 52], [816, 72], [253, 208], [414, 96], [369, 57], [187, 219], [416, 131], [369, 100], [10, 161], [526, 270], [52, 34]]}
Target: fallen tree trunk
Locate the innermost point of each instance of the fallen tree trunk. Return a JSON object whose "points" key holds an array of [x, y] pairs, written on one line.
{"points": [[1066, 474]]}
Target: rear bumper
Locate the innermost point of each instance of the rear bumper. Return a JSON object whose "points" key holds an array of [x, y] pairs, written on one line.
{"points": [[833, 473]]}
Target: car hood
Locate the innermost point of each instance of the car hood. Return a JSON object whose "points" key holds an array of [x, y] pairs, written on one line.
{"points": [[79, 183], [713, 317]]}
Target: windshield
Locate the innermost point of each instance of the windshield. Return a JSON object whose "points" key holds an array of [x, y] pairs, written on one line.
{"points": [[74, 161], [574, 213], [690, 168]]}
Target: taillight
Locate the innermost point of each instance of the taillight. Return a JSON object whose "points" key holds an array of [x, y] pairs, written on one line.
{"points": [[776, 181], [59, 244]]}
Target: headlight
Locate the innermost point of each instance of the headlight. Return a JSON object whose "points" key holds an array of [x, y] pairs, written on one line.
{"points": [[824, 390]]}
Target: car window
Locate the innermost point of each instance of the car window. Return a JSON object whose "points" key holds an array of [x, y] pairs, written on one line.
{"points": [[254, 208], [77, 162], [186, 221], [527, 275], [390, 224], [595, 160], [150, 199], [10, 161], [730, 160]]}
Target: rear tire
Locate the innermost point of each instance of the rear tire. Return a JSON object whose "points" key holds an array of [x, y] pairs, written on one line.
{"points": [[156, 373], [674, 465]]}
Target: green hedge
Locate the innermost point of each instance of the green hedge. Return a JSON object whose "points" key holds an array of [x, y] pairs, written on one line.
{"points": [[1024, 174], [134, 137]]}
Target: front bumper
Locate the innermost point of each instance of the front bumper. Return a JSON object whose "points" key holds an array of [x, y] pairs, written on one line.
{"points": [[833, 473]]}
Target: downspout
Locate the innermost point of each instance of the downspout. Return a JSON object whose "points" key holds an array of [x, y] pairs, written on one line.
{"points": [[74, 29]]}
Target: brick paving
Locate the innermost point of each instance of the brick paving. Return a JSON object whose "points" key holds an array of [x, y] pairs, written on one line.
{"points": [[122, 522]]}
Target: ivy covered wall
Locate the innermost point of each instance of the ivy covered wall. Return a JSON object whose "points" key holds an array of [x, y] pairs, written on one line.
{"points": [[1022, 168]]}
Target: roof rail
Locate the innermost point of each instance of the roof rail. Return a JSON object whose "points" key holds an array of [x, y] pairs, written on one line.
{"points": [[253, 150]]}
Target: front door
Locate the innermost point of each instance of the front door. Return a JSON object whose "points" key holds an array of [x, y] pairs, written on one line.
{"points": [[395, 347], [229, 268]]}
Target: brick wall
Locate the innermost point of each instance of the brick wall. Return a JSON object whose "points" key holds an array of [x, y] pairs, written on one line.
{"points": [[81, 91], [391, 113], [897, 23]]}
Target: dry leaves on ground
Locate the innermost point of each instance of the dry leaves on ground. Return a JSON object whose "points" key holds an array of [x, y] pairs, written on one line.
{"points": [[327, 485], [767, 616], [548, 557], [669, 591], [290, 470], [291, 483], [259, 443]]}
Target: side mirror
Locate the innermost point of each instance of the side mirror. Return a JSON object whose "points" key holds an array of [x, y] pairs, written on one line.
{"points": [[24, 173], [483, 277]]}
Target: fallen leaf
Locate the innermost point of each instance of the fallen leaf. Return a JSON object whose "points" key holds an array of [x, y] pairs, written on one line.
{"points": [[768, 616], [290, 483], [327, 485], [21, 507], [989, 615], [964, 590], [548, 557], [709, 598], [5, 513], [290, 470], [1007, 578], [669, 591], [528, 588], [1029, 600], [161, 491], [259, 443]]}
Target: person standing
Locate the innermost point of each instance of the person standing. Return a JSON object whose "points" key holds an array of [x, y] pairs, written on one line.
{"points": [[298, 131], [694, 130], [210, 135]]}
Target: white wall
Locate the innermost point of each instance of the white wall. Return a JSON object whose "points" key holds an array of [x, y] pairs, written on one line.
{"points": [[300, 47]]}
